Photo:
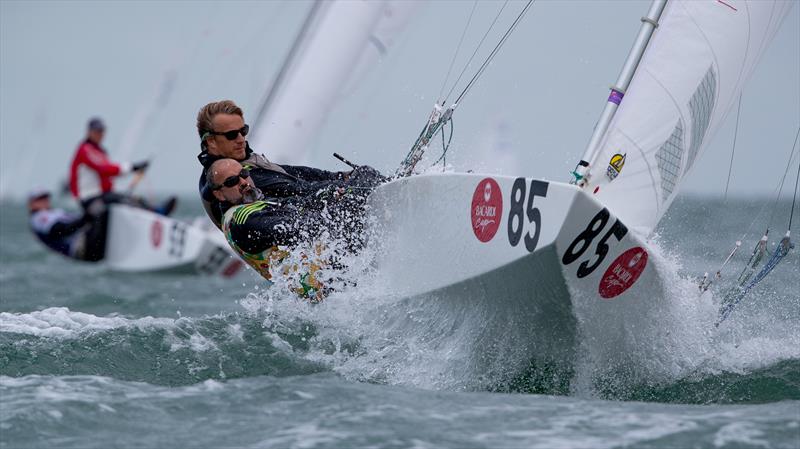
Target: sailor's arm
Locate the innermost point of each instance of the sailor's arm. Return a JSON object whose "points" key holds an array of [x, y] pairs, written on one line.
{"points": [[264, 229], [100, 163], [312, 174], [65, 228], [57, 224], [282, 186]]}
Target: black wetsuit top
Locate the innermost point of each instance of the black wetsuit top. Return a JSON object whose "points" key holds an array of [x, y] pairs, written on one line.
{"points": [[256, 227], [292, 182]]}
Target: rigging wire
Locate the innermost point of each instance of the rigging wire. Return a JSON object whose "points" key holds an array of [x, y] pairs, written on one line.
{"points": [[477, 47], [733, 151], [788, 164], [764, 205], [445, 147], [794, 198], [496, 49], [458, 49], [441, 115], [705, 283]]}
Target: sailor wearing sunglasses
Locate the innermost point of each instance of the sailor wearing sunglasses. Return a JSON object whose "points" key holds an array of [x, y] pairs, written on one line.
{"points": [[223, 133], [254, 227], [262, 229]]}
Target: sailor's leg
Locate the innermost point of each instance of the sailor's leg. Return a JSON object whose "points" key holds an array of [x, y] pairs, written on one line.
{"points": [[94, 248]]}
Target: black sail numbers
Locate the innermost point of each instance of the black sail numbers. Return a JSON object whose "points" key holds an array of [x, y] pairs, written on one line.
{"points": [[522, 210], [584, 240]]}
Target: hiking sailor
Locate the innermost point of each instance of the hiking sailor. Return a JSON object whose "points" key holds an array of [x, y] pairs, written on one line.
{"points": [[92, 173], [222, 132], [81, 237], [261, 229]]}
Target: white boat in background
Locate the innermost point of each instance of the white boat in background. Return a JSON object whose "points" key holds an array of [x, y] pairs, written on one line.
{"points": [[540, 262], [139, 240]]}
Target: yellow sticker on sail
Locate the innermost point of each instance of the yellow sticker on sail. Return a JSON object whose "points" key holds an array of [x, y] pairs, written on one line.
{"points": [[615, 165]]}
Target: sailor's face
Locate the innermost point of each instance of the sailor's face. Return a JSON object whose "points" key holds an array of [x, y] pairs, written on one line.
{"points": [[236, 194], [96, 135], [42, 203], [219, 145]]}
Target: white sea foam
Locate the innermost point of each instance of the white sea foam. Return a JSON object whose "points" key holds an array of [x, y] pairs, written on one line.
{"points": [[60, 322]]}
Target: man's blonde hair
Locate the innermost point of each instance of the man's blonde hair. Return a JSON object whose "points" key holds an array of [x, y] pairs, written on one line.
{"points": [[209, 111]]}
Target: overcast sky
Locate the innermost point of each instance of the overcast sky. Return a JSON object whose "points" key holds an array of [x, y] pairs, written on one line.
{"points": [[531, 114]]}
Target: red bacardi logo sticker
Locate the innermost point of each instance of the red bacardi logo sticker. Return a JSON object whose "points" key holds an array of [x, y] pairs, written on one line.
{"points": [[156, 232], [487, 208], [232, 268], [623, 272]]}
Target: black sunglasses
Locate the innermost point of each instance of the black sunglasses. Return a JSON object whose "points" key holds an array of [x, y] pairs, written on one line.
{"points": [[232, 135], [232, 181]]}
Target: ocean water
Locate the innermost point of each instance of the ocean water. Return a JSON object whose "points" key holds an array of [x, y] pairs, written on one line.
{"points": [[95, 359]]}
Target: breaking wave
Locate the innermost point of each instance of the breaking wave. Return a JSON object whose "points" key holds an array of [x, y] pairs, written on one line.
{"points": [[363, 333]]}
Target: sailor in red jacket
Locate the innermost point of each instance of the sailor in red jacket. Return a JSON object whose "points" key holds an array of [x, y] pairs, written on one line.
{"points": [[92, 172]]}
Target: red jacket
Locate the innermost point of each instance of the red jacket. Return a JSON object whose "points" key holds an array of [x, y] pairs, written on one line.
{"points": [[91, 172]]}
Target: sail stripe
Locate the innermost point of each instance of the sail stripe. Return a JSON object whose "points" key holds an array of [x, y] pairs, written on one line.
{"points": [[669, 158], [701, 106]]}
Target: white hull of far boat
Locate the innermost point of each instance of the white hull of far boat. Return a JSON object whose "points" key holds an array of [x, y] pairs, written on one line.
{"points": [[140, 241]]}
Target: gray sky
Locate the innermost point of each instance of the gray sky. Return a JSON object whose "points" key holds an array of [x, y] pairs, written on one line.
{"points": [[531, 113]]}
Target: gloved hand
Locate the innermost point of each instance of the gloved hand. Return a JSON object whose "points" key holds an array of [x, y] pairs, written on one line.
{"points": [[141, 166]]}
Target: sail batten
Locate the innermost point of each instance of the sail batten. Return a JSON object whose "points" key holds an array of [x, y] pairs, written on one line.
{"points": [[689, 77]]}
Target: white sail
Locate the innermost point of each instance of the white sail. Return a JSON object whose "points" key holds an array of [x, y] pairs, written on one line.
{"points": [[146, 116], [339, 41], [690, 75]]}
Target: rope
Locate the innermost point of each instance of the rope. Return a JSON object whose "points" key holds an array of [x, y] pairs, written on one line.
{"points": [[788, 164], [764, 205], [477, 47], [794, 198], [458, 49], [441, 115], [445, 147], [733, 151], [496, 49]]}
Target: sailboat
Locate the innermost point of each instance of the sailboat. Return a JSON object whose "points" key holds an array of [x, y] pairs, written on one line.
{"points": [[140, 240], [537, 257]]}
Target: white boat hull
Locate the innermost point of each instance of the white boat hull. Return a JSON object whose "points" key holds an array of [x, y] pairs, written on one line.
{"points": [[139, 241], [523, 294]]}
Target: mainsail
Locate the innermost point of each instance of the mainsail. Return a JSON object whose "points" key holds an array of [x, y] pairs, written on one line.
{"points": [[338, 41], [690, 75]]}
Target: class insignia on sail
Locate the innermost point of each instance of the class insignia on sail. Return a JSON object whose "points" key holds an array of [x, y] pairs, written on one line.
{"points": [[615, 165]]}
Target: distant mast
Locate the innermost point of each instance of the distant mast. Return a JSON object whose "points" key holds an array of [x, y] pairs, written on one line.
{"points": [[649, 24]]}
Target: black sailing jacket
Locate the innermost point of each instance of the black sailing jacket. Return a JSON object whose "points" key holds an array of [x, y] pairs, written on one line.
{"points": [[277, 182]]}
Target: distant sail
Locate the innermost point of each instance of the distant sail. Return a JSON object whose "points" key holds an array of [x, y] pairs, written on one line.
{"points": [[339, 41], [691, 74]]}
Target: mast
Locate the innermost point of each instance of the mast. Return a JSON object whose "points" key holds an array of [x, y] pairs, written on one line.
{"points": [[268, 99], [649, 24]]}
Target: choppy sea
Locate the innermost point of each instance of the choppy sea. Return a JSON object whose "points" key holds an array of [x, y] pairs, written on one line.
{"points": [[95, 359]]}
